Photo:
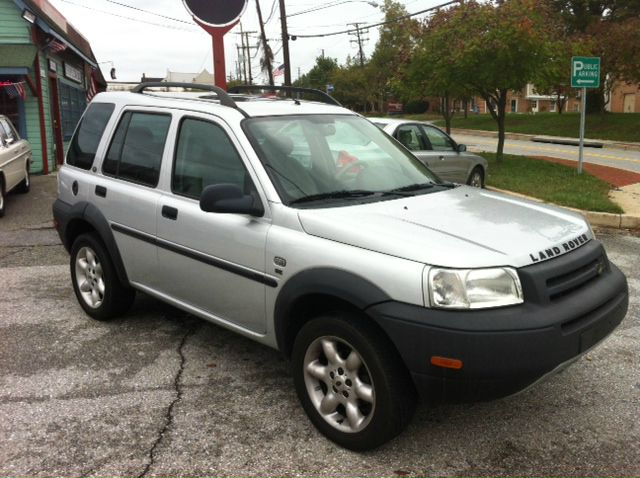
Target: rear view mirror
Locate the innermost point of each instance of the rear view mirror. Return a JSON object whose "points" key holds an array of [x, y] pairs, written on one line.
{"points": [[229, 199]]}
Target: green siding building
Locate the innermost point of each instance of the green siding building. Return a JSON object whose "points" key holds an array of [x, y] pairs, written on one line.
{"points": [[48, 72]]}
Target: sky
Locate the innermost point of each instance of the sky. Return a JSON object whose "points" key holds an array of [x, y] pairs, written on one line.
{"points": [[140, 43]]}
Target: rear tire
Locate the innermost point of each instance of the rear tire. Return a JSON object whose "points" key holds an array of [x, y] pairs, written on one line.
{"points": [[476, 178], [95, 282], [351, 382], [25, 185]]}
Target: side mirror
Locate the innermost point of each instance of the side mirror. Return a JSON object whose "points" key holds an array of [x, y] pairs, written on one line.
{"points": [[462, 148], [10, 141], [229, 199]]}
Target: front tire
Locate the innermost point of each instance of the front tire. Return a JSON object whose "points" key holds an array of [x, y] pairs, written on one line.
{"points": [[3, 202], [351, 382], [476, 178], [95, 282]]}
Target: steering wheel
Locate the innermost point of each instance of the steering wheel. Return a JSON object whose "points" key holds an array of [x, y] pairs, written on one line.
{"points": [[348, 167]]}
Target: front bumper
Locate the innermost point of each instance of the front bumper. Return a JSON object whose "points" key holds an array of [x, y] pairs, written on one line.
{"points": [[506, 350]]}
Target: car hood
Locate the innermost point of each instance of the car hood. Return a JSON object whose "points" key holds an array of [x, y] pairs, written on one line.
{"points": [[461, 228]]}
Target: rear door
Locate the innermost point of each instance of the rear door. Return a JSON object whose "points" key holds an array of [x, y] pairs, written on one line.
{"points": [[127, 190], [212, 262]]}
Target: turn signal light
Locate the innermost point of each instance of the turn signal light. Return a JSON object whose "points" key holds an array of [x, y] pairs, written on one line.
{"points": [[444, 362]]}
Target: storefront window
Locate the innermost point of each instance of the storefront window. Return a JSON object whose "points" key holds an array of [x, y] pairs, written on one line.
{"points": [[72, 105]]}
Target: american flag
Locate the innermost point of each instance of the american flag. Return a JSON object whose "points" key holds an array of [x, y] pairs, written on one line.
{"points": [[55, 46], [278, 71], [14, 90], [92, 90]]}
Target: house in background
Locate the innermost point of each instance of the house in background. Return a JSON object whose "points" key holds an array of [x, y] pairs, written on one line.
{"points": [[48, 73]]}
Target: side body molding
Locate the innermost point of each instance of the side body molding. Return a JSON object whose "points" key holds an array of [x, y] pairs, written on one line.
{"points": [[337, 283], [70, 219]]}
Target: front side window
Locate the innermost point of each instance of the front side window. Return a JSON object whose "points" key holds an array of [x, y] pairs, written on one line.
{"points": [[337, 158], [439, 141], [205, 156], [84, 144], [136, 150], [3, 136]]}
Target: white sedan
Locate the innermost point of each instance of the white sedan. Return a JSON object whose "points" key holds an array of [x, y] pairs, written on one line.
{"points": [[15, 162]]}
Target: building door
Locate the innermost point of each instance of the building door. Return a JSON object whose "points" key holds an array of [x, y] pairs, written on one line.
{"points": [[514, 106], [629, 103], [57, 120]]}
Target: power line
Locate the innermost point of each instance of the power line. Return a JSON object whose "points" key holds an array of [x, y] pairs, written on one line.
{"points": [[387, 22], [129, 18], [149, 12]]}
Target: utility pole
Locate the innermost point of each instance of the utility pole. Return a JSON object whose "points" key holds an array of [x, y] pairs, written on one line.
{"points": [[285, 44], [265, 46], [246, 35], [241, 60], [359, 40]]}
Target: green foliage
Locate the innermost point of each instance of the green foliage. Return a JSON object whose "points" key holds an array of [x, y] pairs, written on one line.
{"points": [[609, 126], [550, 182], [320, 75], [416, 107]]}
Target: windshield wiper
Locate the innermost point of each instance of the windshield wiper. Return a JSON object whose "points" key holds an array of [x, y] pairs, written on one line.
{"points": [[412, 188], [357, 193]]}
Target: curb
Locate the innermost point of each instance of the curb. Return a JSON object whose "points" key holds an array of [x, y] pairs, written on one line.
{"points": [[605, 144], [598, 219]]}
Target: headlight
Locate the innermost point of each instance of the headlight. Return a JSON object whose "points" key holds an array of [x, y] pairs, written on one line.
{"points": [[473, 288]]}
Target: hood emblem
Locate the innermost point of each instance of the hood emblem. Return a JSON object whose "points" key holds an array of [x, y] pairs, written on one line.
{"points": [[560, 250]]}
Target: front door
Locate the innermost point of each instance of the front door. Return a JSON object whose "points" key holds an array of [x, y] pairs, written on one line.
{"points": [[57, 120], [451, 165], [212, 262], [629, 103]]}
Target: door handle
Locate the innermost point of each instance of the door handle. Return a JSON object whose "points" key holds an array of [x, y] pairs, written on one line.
{"points": [[101, 191], [441, 158], [170, 212]]}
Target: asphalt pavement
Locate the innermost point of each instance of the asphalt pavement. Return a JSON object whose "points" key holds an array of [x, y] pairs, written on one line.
{"points": [[161, 393], [616, 158]]}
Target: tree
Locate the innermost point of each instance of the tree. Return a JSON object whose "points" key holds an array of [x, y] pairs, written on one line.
{"points": [[494, 49], [320, 75], [393, 51]]}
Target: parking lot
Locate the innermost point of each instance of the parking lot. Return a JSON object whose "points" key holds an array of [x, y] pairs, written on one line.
{"points": [[161, 393]]}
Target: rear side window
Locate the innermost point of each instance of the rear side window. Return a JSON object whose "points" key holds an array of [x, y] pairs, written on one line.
{"points": [[135, 153], [85, 141]]}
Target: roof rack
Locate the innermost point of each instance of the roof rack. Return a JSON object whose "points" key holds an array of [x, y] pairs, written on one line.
{"points": [[223, 96], [321, 95]]}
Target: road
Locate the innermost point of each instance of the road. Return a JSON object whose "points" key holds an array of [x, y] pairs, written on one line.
{"points": [[616, 158], [161, 393]]}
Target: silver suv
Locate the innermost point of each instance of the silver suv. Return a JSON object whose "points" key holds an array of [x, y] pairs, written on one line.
{"points": [[303, 226]]}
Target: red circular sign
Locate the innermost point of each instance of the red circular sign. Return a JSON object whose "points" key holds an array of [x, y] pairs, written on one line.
{"points": [[216, 13]]}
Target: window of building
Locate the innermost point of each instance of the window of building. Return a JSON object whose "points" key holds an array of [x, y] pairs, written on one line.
{"points": [[72, 104], [205, 156], [135, 153], [87, 138]]}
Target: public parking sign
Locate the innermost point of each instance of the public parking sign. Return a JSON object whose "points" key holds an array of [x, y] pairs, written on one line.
{"points": [[585, 72]]}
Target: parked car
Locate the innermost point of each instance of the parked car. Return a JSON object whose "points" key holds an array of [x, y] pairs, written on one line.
{"points": [[374, 277], [15, 162], [437, 150]]}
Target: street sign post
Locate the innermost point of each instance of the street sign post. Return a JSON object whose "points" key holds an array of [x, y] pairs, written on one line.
{"points": [[217, 17], [585, 73]]}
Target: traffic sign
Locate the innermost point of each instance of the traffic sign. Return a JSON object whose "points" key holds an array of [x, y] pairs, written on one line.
{"points": [[585, 72], [216, 13]]}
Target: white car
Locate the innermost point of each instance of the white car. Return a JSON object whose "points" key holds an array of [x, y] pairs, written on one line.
{"points": [[15, 162]]}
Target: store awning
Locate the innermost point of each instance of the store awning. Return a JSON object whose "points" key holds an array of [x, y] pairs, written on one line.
{"points": [[17, 56]]}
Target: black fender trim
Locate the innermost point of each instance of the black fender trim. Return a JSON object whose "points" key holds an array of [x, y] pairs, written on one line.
{"points": [[64, 214], [337, 283]]}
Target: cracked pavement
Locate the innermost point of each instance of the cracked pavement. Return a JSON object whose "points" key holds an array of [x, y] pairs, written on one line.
{"points": [[159, 393]]}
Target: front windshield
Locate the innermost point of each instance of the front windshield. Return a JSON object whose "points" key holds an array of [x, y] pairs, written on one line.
{"points": [[334, 157]]}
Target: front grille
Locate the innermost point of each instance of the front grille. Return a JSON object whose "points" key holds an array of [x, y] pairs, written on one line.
{"points": [[563, 276], [565, 284]]}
